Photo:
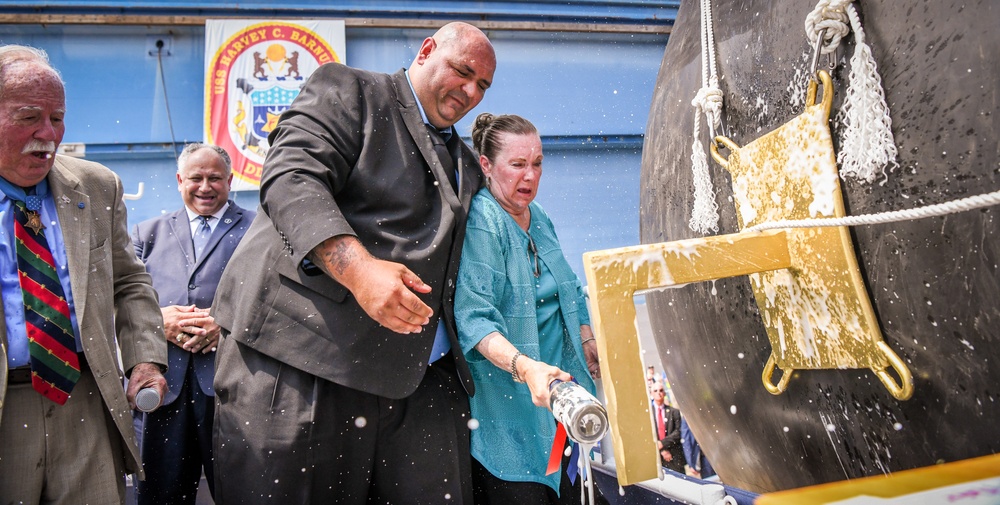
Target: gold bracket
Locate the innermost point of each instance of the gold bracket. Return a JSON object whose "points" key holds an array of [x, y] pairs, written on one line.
{"points": [[806, 281], [613, 278]]}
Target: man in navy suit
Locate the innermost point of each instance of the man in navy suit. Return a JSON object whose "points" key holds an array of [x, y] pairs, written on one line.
{"points": [[186, 252]]}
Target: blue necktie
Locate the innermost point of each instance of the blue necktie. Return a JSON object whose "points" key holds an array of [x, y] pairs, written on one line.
{"points": [[201, 236]]}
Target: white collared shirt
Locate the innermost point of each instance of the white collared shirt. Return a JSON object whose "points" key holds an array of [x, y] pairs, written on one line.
{"points": [[213, 220]]}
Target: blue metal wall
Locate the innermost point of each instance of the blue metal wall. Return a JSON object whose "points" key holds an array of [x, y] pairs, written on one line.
{"points": [[588, 92], [635, 12]]}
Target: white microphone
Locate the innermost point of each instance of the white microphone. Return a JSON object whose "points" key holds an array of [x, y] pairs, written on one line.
{"points": [[147, 400]]}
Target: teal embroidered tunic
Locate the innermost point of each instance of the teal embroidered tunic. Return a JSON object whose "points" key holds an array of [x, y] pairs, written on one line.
{"points": [[498, 291]]}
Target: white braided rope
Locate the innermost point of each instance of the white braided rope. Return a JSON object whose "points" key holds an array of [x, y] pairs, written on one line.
{"points": [[940, 209], [828, 15], [867, 146], [705, 212], [708, 101]]}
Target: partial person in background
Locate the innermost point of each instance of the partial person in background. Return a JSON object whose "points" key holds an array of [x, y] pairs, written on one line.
{"points": [[522, 320], [697, 463], [667, 421], [185, 252], [74, 294], [651, 377], [339, 378]]}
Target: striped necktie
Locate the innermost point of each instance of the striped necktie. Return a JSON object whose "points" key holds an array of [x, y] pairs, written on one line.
{"points": [[201, 236], [55, 366]]}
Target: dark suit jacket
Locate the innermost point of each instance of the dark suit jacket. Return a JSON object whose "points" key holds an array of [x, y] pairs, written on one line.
{"points": [[164, 245], [672, 438], [113, 295], [352, 156]]}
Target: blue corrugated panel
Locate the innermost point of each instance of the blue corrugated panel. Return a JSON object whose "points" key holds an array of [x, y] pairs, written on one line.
{"points": [[590, 11]]}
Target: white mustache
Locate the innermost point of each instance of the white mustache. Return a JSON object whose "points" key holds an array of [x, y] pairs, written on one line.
{"points": [[48, 147]]}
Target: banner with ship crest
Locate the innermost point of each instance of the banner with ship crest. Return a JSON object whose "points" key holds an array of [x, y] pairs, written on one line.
{"points": [[254, 69]]}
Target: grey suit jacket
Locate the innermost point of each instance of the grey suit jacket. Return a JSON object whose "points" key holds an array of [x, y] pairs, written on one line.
{"points": [[352, 156], [164, 244], [112, 293]]}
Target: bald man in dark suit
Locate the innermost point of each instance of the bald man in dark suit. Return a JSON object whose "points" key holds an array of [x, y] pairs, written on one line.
{"points": [[335, 382]]}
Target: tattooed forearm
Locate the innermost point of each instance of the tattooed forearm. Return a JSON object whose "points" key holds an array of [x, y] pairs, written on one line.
{"points": [[334, 255], [339, 256]]}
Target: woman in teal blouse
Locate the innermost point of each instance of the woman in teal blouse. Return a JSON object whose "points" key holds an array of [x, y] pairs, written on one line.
{"points": [[522, 320]]}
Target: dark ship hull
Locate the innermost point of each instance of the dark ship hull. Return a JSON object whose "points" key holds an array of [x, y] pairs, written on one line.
{"points": [[934, 283]]}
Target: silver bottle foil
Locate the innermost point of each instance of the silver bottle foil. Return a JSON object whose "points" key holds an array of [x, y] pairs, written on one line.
{"points": [[584, 417]]}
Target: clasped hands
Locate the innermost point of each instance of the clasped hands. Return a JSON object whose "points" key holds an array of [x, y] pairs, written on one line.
{"points": [[190, 328]]}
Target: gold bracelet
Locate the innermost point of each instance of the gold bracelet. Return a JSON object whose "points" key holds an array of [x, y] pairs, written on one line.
{"points": [[513, 367]]}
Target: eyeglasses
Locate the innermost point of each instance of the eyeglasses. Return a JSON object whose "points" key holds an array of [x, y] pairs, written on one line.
{"points": [[533, 251]]}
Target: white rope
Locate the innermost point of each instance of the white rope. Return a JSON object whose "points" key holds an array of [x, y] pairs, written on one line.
{"points": [[867, 144], [708, 101], [940, 209], [828, 15]]}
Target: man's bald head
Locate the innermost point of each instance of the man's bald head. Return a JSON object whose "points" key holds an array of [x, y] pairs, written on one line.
{"points": [[452, 71]]}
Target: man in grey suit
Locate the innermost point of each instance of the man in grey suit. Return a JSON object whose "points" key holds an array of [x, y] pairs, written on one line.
{"points": [[345, 283], [185, 252], [65, 426]]}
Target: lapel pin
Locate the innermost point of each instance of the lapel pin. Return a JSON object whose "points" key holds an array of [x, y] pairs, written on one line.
{"points": [[227, 220], [64, 200], [81, 205]]}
